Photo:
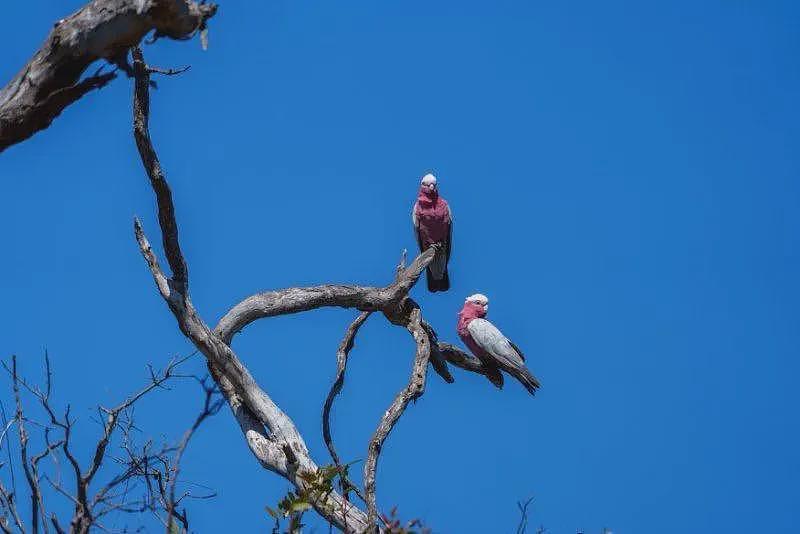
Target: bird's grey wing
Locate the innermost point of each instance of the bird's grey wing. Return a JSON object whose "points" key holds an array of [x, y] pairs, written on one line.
{"points": [[491, 340], [516, 348], [504, 353]]}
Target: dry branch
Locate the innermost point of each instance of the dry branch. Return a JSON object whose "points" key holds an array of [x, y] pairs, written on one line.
{"points": [[210, 407], [271, 434], [414, 389], [342, 355], [33, 482], [102, 29], [299, 299], [90, 508]]}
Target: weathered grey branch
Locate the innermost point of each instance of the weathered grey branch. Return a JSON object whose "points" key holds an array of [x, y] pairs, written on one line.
{"points": [[342, 355], [414, 390], [271, 434], [300, 299], [102, 29], [166, 214]]}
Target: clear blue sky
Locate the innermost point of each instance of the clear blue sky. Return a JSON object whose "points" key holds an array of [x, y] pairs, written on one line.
{"points": [[624, 178]]}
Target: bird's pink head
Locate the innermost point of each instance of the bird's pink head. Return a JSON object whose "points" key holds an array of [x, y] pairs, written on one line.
{"points": [[476, 306], [428, 190]]}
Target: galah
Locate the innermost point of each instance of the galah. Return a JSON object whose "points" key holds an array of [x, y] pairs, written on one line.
{"points": [[490, 346], [433, 224]]}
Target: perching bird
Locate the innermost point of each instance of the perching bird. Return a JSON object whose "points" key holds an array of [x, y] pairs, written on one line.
{"points": [[490, 346], [433, 224]]}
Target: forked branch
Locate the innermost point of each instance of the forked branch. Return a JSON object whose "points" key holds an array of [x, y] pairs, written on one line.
{"points": [[88, 509], [271, 435]]}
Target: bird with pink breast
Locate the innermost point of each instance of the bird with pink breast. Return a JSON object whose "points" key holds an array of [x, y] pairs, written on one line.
{"points": [[433, 226]]}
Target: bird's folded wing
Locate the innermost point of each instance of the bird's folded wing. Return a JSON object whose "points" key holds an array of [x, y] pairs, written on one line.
{"points": [[490, 339]]}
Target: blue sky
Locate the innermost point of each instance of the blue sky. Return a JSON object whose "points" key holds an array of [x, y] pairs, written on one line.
{"points": [[624, 178]]}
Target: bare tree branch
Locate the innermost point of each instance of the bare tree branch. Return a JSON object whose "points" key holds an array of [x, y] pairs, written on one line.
{"points": [[56, 524], [10, 504], [414, 390], [300, 299], [271, 435], [87, 511], [280, 449], [114, 413], [102, 29], [29, 468], [166, 214], [342, 355], [523, 512], [210, 407], [341, 365]]}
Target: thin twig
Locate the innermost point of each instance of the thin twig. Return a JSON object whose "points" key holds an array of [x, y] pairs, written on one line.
{"points": [[523, 510], [167, 72], [33, 482], [210, 407], [342, 355]]}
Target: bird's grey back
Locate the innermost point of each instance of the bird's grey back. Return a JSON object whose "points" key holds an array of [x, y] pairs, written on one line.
{"points": [[492, 340]]}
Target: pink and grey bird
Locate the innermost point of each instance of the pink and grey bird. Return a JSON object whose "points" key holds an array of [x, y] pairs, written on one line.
{"points": [[433, 224], [490, 346]]}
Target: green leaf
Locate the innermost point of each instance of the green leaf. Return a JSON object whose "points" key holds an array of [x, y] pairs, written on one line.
{"points": [[300, 506]]}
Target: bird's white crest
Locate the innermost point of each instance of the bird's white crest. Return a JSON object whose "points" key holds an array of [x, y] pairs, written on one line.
{"points": [[429, 179], [478, 298]]}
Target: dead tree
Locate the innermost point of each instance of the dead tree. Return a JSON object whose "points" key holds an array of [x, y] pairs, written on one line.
{"points": [[147, 471], [270, 433], [51, 81]]}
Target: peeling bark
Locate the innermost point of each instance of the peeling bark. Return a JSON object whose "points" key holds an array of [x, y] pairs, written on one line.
{"points": [[102, 29]]}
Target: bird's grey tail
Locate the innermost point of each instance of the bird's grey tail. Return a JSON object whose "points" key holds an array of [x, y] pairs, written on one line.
{"points": [[438, 284], [528, 380]]}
